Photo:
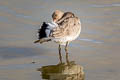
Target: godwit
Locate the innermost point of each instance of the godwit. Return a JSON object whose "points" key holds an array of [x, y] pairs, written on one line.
{"points": [[64, 28]]}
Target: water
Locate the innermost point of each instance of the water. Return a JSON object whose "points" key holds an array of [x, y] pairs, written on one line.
{"points": [[97, 49]]}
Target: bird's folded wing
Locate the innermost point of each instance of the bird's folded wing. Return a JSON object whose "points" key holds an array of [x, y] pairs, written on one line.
{"points": [[67, 27]]}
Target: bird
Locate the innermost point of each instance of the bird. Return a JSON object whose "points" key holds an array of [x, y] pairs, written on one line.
{"points": [[64, 28]]}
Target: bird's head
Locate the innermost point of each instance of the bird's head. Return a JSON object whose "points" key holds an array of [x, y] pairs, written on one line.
{"points": [[57, 14]]}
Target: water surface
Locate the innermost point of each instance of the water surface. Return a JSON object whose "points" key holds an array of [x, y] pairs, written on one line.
{"points": [[97, 48]]}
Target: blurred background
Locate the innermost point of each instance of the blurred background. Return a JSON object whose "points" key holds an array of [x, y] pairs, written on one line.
{"points": [[97, 48]]}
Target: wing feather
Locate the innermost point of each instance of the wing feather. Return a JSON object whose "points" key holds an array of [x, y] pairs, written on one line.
{"points": [[67, 27]]}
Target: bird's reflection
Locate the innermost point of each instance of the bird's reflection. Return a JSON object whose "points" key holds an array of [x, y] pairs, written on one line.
{"points": [[68, 70]]}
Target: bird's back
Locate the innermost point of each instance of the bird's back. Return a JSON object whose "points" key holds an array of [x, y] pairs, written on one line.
{"points": [[68, 30]]}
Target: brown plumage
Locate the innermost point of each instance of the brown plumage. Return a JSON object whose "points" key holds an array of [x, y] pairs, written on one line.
{"points": [[65, 16], [68, 29], [68, 25]]}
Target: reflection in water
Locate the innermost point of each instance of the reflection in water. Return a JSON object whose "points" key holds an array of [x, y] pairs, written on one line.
{"points": [[62, 71]]}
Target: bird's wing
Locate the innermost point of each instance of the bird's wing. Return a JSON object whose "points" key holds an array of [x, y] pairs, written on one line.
{"points": [[67, 27]]}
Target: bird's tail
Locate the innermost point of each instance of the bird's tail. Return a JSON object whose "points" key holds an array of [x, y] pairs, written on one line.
{"points": [[42, 40]]}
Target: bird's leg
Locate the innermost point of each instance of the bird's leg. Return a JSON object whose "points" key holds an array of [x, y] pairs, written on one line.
{"points": [[60, 56], [66, 47], [66, 51]]}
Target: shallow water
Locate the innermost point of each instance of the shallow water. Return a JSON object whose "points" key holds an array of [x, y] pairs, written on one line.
{"points": [[97, 49]]}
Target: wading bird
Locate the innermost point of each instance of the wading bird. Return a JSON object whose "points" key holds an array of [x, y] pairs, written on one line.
{"points": [[64, 28]]}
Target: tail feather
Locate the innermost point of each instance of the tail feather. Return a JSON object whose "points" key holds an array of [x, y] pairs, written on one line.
{"points": [[44, 32]]}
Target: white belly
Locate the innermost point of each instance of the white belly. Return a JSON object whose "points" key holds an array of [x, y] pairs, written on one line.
{"points": [[63, 40]]}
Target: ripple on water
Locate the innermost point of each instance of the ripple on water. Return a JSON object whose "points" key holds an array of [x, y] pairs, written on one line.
{"points": [[106, 5], [86, 40], [14, 13], [90, 40]]}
